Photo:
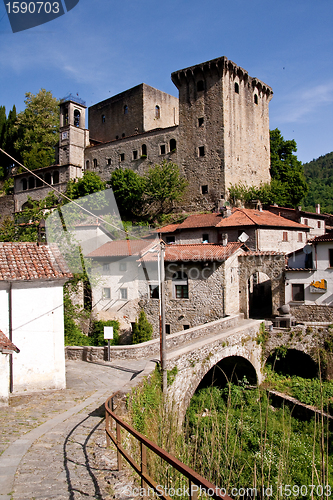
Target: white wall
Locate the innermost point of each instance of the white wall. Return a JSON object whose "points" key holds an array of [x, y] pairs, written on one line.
{"points": [[4, 378], [38, 331]]}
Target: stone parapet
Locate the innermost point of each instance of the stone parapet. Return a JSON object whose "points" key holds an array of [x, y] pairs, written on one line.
{"points": [[152, 347], [312, 313]]}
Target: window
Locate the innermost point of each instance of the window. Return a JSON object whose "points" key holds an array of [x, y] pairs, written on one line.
{"points": [[300, 237], [285, 236], [306, 222], [157, 112], [319, 225], [108, 161], [143, 150], [125, 109], [201, 151], [95, 162], [180, 285], [186, 327], [297, 292], [200, 121], [154, 291], [103, 118], [255, 99], [106, 293], [170, 239], [56, 177], [106, 267], [122, 266], [47, 178], [123, 293], [123, 134], [39, 182], [330, 256], [31, 182], [167, 329], [76, 118], [117, 137], [135, 155], [162, 149], [173, 145], [204, 189], [87, 165], [200, 85], [24, 184], [236, 88], [122, 157], [205, 238]]}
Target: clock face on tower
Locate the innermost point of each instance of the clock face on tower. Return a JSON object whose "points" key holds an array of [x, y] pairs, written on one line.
{"points": [[64, 135]]}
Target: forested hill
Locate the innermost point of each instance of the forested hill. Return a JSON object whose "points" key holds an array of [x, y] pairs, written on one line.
{"points": [[319, 176]]}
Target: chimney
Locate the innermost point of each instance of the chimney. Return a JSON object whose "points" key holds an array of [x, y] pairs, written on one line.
{"points": [[317, 208], [224, 239]]}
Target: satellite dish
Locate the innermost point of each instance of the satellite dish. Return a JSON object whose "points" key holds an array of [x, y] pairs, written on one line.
{"points": [[307, 249], [243, 237]]}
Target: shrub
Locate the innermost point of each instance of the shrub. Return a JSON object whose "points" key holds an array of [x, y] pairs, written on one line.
{"points": [[96, 336], [142, 329]]}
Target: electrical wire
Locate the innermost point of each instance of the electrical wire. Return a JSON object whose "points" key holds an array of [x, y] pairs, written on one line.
{"points": [[66, 197]]}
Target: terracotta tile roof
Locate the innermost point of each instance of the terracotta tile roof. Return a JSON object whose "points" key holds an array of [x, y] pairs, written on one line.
{"points": [[238, 218], [261, 252], [200, 252], [168, 229], [29, 261], [121, 248], [6, 345], [323, 237], [248, 217]]}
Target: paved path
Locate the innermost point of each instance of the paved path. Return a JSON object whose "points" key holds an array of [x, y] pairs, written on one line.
{"points": [[49, 440]]}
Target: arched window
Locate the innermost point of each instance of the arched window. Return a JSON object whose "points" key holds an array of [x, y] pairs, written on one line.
{"points": [[31, 182], [56, 177], [125, 109], [48, 178], [180, 285], [24, 184], [157, 112], [236, 88], [255, 99], [144, 150], [103, 118], [39, 182], [76, 118], [65, 116], [200, 85], [95, 162], [173, 145], [87, 164]]}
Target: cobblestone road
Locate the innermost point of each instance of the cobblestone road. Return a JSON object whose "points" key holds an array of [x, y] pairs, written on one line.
{"points": [[53, 443]]}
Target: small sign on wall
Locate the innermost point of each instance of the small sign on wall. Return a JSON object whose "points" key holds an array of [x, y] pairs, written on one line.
{"points": [[319, 286]]}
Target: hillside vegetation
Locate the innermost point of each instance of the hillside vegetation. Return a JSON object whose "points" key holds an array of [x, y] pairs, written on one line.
{"points": [[319, 176]]}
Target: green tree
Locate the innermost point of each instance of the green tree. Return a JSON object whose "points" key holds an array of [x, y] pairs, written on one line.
{"points": [[90, 183], [38, 128], [8, 136], [128, 188], [142, 329], [288, 185], [163, 185]]}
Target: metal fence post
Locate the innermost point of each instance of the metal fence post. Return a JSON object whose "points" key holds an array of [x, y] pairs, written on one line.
{"points": [[143, 468], [118, 429]]}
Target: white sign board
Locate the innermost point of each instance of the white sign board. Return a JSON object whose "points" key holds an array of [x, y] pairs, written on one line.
{"points": [[108, 332]]}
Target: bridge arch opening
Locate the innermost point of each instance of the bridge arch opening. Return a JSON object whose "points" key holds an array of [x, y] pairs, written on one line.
{"points": [[235, 369], [292, 362], [260, 295]]}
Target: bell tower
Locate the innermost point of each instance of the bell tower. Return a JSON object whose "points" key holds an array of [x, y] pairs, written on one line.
{"points": [[74, 137]]}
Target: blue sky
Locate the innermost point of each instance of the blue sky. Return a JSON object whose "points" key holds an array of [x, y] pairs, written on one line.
{"points": [[102, 47]]}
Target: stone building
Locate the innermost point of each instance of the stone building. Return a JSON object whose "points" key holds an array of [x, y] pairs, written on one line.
{"points": [[219, 127], [261, 230]]}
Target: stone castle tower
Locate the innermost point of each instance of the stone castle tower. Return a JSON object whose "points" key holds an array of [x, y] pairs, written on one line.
{"points": [[223, 128]]}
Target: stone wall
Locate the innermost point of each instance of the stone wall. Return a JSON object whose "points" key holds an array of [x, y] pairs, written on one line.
{"points": [[312, 313], [6, 206], [151, 348]]}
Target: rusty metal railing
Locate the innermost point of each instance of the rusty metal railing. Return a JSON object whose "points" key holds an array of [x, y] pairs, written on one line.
{"points": [[201, 483]]}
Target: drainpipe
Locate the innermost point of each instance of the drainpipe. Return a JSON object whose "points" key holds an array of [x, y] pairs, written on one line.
{"points": [[10, 334]]}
